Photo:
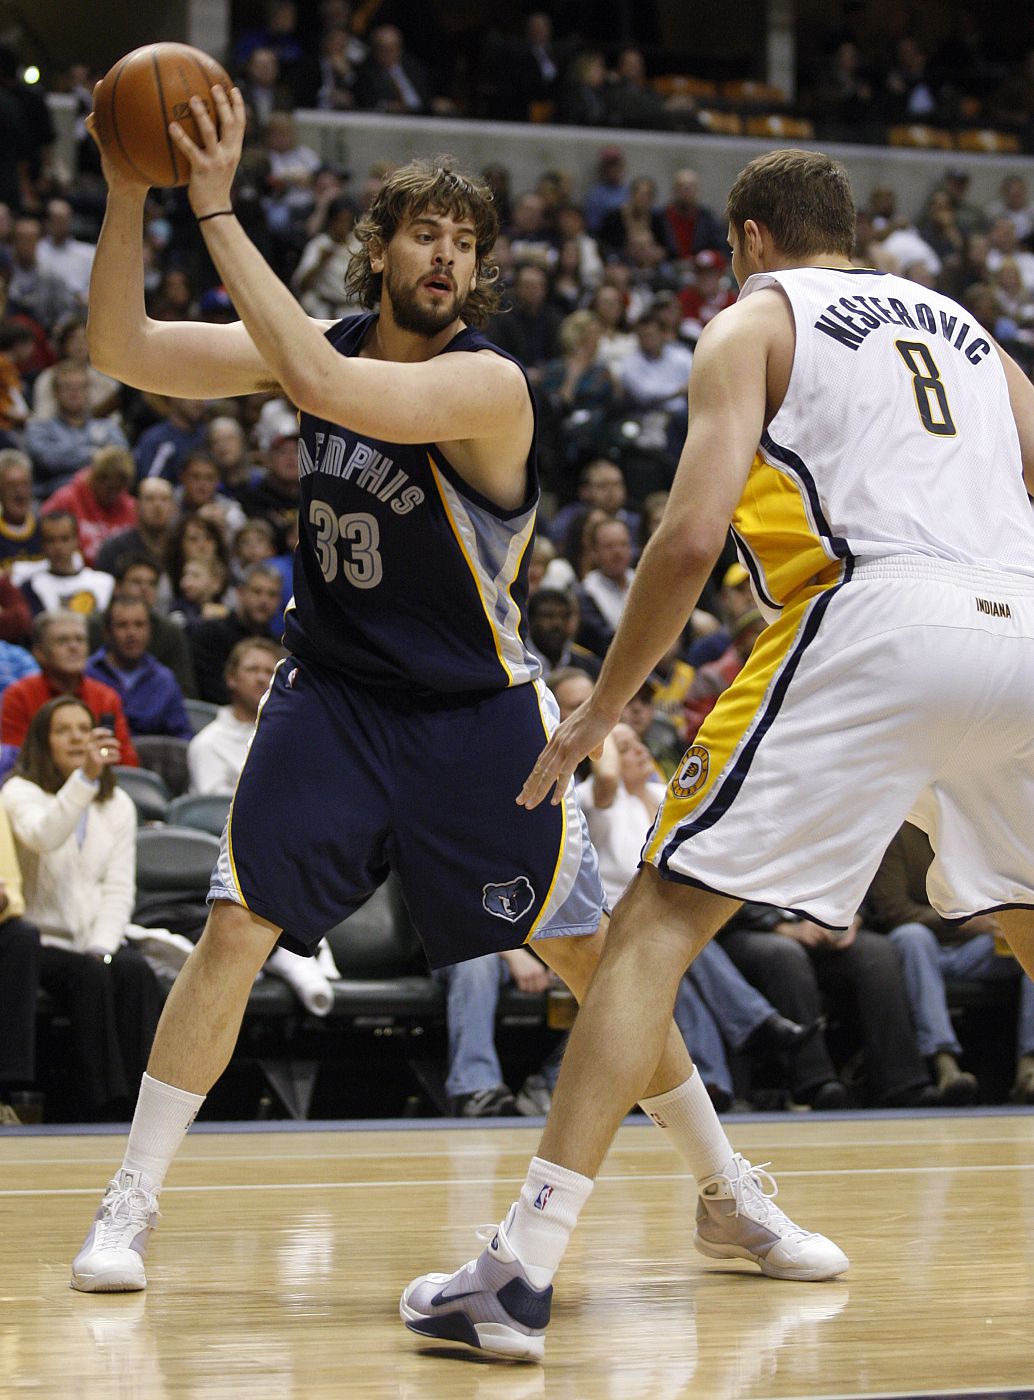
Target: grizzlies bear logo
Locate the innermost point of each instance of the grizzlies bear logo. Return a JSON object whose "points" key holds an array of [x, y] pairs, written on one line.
{"points": [[692, 774], [510, 900]]}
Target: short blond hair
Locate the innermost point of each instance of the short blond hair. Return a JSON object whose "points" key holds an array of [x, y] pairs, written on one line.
{"points": [[573, 329], [803, 198]]}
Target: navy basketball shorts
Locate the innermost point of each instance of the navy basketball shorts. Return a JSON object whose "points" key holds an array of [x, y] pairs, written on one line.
{"points": [[343, 783]]}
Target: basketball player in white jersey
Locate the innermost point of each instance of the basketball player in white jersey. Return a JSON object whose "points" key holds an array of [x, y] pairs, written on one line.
{"points": [[873, 449]]}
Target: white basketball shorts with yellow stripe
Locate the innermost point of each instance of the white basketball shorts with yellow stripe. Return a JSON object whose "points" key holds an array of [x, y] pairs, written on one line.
{"points": [[905, 693]]}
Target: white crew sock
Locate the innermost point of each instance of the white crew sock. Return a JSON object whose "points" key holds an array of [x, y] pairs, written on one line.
{"points": [[688, 1117], [163, 1115], [541, 1220]]}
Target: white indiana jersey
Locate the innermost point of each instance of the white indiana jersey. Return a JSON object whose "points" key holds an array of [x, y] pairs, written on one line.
{"points": [[895, 437]]}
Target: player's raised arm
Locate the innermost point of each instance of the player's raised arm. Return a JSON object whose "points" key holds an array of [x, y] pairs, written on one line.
{"points": [[183, 359], [424, 401]]}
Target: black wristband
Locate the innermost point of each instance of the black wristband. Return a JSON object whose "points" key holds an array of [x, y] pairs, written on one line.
{"points": [[217, 215]]}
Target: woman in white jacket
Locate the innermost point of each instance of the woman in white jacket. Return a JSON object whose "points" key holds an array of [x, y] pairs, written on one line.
{"points": [[76, 838]]}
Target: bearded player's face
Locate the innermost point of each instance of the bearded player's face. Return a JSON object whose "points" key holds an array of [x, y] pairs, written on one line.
{"points": [[430, 269]]}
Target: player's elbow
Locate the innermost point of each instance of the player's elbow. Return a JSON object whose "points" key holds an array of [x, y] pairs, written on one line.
{"points": [[117, 353], [692, 544], [103, 350], [308, 391], [301, 389]]}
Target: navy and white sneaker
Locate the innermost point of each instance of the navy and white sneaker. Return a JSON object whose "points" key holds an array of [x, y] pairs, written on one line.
{"points": [[488, 1304], [112, 1257], [738, 1219]]}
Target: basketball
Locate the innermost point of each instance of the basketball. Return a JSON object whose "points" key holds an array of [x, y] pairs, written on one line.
{"points": [[138, 98]]}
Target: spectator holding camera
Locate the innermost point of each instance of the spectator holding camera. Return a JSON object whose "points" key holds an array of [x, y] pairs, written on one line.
{"points": [[76, 839]]}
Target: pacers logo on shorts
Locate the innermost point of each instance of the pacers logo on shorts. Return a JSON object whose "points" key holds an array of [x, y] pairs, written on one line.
{"points": [[692, 775]]}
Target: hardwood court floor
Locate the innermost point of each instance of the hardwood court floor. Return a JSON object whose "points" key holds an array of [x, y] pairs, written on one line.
{"points": [[277, 1269]]}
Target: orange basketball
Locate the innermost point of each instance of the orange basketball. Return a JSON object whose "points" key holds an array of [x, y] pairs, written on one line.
{"points": [[138, 98]]}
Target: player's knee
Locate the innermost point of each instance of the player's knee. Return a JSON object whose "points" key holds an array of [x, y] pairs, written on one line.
{"points": [[574, 960], [236, 934]]}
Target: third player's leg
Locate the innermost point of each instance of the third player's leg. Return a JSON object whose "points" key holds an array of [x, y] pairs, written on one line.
{"points": [[575, 960], [625, 1025]]}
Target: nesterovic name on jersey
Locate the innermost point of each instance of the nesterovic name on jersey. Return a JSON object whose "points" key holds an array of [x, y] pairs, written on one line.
{"points": [[364, 466], [849, 320]]}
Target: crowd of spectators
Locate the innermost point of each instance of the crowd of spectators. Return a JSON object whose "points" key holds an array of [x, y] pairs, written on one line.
{"points": [[863, 67], [145, 542]]}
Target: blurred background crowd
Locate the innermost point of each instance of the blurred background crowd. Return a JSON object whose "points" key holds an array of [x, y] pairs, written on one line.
{"points": [[145, 542]]}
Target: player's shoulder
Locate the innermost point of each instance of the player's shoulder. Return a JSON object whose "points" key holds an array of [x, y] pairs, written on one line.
{"points": [[765, 315], [491, 360], [491, 374]]}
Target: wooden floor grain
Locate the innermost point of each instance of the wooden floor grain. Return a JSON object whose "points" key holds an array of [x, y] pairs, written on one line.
{"points": [[280, 1258]]}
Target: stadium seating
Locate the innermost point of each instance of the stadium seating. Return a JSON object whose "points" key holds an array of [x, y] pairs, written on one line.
{"points": [[200, 811], [782, 128], [165, 755], [720, 123], [927, 138], [173, 871], [749, 93], [200, 712], [681, 85], [984, 139], [149, 791]]}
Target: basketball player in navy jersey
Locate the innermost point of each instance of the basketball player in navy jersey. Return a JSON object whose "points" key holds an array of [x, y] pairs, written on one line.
{"points": [[407, 662]]}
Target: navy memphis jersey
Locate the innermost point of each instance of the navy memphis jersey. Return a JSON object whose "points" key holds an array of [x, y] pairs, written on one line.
{"points": [[405, 576]]}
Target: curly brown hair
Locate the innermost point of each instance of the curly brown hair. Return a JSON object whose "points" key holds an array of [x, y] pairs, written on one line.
{"points": [[410, 190]]}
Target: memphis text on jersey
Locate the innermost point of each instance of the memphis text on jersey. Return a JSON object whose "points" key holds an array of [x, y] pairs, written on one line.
{"points": [[850, 320], [365, 467]]}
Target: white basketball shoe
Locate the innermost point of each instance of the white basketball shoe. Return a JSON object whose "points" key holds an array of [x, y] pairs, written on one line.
{"points": [[737, 1218], [112, 1257], [488, 1304]]}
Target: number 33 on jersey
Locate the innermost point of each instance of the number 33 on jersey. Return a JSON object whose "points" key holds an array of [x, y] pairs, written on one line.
{"points": [[405, 576]]}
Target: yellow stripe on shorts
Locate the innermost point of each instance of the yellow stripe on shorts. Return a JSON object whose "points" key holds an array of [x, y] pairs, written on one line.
{"points": [[734, 719], [539, 686]]}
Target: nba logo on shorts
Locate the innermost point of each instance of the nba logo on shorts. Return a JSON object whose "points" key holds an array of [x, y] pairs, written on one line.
{"points": [[692, 775], [510, 900], [543, 1197]]}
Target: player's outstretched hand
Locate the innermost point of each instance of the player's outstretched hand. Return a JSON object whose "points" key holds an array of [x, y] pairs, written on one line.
{"points": [[214, 163], [581, 735]]}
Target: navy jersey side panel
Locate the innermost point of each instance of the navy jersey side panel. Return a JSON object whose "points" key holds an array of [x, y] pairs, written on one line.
{"points": [[405, 577]]}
